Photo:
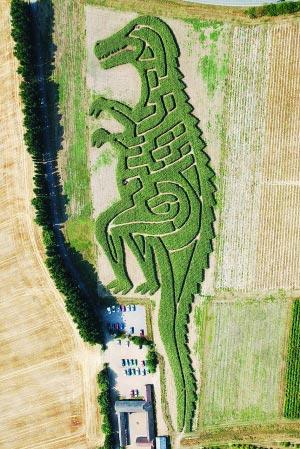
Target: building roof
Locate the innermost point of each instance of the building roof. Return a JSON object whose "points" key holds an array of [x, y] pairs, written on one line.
{"points": [[161, 442], [130, 406]]}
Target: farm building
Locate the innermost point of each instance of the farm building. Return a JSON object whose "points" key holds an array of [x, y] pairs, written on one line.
{"points": [[136, 421]]}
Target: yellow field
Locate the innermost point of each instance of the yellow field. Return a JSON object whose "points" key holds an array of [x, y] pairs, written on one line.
{"points": [[47, 375]]}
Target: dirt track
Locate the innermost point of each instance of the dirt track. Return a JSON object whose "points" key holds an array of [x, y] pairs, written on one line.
{"points": [[47, 375]]}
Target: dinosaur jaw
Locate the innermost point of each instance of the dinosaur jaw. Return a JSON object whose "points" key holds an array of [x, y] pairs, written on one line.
{"points": [[112, 56]]}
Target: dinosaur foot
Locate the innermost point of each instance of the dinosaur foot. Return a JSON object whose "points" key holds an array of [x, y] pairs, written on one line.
{"points": [[97, 107], [100, 136], [147, 287], [120, 286]]}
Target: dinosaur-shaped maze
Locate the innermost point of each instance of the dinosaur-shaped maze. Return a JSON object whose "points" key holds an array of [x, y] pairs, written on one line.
{"points": [[165, 212]]}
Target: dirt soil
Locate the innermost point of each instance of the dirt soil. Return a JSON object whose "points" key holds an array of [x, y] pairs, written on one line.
{"points": [[47, 375]]}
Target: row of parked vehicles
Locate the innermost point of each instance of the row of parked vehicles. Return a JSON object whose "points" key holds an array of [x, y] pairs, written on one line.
{"points": [[132, 362], [135, 372], [113, 327], [121, 308], [134, 393]]}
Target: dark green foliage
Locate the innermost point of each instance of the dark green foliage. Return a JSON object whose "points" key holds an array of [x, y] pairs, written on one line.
{"points": [[151, 360], [165, 213], [292, 392], [141, 341], [273, 9], [105, 405], [77, 304]]}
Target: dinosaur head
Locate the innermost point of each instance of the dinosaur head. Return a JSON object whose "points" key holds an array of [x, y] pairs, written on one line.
{"points": [[143, 39]]}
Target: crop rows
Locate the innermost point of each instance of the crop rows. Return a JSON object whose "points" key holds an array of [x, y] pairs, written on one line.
{"points": [[244, 143], [292, 393], [259, 244], [278, 250]]}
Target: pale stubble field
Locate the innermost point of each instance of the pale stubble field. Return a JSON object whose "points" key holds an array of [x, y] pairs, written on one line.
{"points": [[47, 375]]}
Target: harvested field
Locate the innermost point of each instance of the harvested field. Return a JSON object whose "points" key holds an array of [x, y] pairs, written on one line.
{"points": [[260, 222], [47, 375], [243, 349]]}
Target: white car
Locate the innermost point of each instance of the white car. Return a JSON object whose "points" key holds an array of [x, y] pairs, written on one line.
{"points": [[108, 310]]}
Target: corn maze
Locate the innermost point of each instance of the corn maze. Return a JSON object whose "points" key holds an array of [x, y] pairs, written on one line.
{"points": [[292, 393], [165, 212]]}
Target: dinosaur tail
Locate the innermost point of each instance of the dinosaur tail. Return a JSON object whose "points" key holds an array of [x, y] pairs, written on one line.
{"points": [[166, 323], [190, 287]]}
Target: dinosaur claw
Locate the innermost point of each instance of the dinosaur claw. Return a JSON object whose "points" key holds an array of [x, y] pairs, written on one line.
{"points": [[120, 286], [147, 287]]}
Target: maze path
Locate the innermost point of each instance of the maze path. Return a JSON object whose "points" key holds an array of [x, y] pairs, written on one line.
{"points": [[165, 211]]}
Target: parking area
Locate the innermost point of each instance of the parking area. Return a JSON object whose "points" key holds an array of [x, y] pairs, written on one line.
{"points": [[126, 359], [128, 318], [133, 384]]}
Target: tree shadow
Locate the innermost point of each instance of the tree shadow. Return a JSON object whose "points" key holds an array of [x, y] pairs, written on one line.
{"points": [[43, 20]]}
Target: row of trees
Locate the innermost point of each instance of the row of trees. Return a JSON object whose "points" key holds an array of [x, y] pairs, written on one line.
{"points": [[105, 405], [80, 307], [274, 9]]}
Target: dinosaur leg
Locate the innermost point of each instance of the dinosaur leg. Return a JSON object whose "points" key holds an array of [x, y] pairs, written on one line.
{"points": [[144, 252], [120, 112], [113, 246], [101, 136]]}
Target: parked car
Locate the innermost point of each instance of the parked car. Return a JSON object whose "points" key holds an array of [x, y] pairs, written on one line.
{"points": [[129, 371], [113, 308], [144, 372], [128, 362], [132, 394], [124, 308], [122, 326], [133, 370], [119, 342], [129, 308], [108, 310], [125, 372], [128, 343], [138, 371], [118, 309], [123, 362], [136, 392], [132, 362], [132, 330], [117, 326], [133, 307], [136, 361], [142, 333]]}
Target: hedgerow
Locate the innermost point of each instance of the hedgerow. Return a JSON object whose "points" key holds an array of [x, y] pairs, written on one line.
{"points": [[77, 304], [274, 9], [165, 213], [105, 405], [292, 396]]}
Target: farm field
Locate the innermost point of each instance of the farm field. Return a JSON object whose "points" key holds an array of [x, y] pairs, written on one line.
{"points": [[242, 345], [260, 223], [47, 375], [242, 82]]}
